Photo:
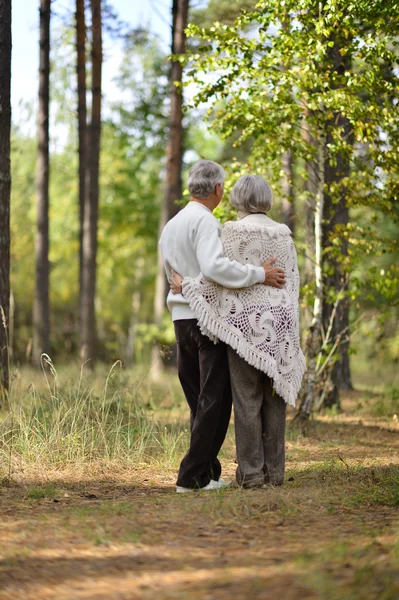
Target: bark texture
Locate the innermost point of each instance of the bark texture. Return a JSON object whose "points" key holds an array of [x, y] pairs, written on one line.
{"points": [[5, 189], [174, 148], [82, 120], [41, 304], [336, 314], [91, 201], [311, 193]]}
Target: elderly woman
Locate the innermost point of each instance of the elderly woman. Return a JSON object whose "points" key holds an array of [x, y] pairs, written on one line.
{"points": [[260, 325]]}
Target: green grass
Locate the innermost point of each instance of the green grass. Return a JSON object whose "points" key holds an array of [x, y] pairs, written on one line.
{"points": [[38, 493], [354, 570], [64, 420]]}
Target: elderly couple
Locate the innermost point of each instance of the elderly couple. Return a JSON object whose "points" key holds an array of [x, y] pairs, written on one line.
{"points": [[234, 304]]}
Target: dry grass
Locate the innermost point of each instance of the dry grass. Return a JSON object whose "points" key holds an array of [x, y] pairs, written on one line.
{"points": [[109, 525]]}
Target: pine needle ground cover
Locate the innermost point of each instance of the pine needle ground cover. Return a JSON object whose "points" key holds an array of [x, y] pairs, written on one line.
{"points": [[88, 508]]}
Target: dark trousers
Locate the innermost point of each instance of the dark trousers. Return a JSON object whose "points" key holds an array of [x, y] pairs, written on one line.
{"points": [[204, 376]]}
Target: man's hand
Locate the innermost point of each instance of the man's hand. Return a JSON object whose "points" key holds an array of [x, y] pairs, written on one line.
{"points": [[175, 281], [274, 276]]}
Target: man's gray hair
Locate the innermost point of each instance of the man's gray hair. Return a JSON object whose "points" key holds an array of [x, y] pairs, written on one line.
{"points": [[252, 194], [203, 178]]}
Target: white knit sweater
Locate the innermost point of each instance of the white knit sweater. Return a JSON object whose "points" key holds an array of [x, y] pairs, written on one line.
{"points": [[190, 244], [261, 323]]}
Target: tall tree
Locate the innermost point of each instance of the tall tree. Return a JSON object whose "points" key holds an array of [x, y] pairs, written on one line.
{"points": [[91, 201], [250, 81], [310, 186], [174, 147], [41, 304], [336, 307], [5, 187], [82, 120], [336, 279]]}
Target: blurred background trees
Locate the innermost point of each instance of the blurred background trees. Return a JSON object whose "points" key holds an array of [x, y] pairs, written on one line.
{"points": [[301, 92]]}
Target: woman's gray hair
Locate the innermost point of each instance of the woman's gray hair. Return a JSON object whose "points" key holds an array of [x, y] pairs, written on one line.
{"points": [[252, 194], [204, 177]]}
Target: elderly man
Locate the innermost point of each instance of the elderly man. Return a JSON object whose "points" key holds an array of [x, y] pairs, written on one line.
{"points": [[190, 244]]}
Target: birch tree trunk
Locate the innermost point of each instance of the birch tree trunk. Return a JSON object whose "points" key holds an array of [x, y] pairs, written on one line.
{"points": [[41, 304], [82, 121], [174, 151], [91, 200], [5, 189], [314, 338]]}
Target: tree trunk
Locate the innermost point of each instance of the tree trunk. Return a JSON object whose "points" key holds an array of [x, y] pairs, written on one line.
{"points": [[311, 193], [91, 200], [41, 305], [5, 189], [336, 314], [174, 149], [344, 372], [314, 338], [82, 121], [288, 188]]}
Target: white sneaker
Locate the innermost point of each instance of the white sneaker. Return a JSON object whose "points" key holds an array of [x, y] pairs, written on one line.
{"points": [[212, 485], [183, 490], [216, 485]]}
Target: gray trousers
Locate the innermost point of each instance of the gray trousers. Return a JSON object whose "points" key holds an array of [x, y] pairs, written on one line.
{"points": [[259, 416]]}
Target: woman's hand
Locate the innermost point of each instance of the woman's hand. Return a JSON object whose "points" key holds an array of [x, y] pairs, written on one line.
{"points": [[175, 282]]}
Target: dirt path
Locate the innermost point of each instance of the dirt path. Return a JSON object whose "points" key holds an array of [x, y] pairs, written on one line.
{"points": [[331, 532]]}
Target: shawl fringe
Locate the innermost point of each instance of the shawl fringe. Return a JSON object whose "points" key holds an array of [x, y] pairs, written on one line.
{"points": [[218, 331]]}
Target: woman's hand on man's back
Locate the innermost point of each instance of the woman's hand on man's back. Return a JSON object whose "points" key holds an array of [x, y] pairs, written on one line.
{"points": [[175, 281]]}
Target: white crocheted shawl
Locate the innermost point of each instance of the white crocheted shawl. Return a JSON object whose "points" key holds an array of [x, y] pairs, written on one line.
{"points": [[260, 322]]}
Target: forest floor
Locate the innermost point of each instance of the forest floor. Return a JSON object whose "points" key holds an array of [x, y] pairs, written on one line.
{"points": [[106, 531]]}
